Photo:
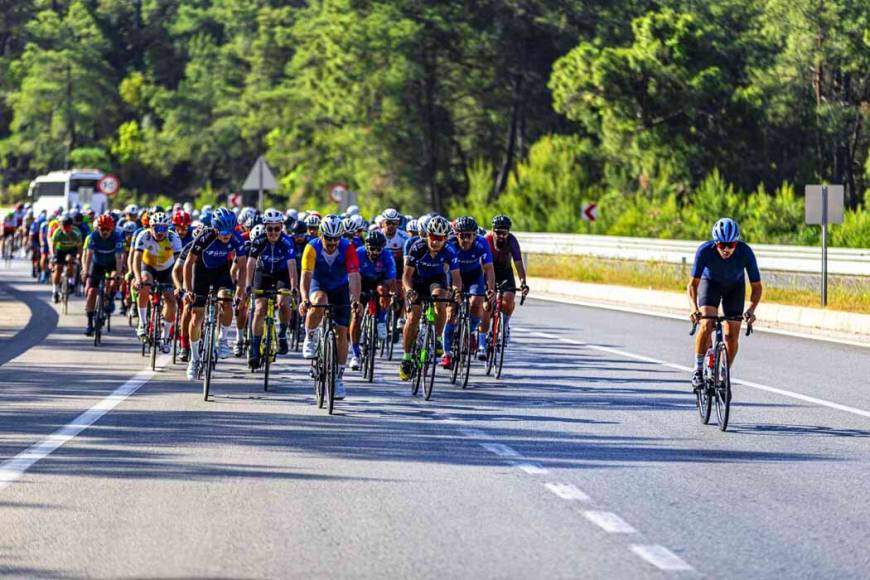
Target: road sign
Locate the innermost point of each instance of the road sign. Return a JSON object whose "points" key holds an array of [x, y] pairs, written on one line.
{"points": [[338, 192], [824, 204], [109, 184], [235, 199], [259, 179], [590, 212]]}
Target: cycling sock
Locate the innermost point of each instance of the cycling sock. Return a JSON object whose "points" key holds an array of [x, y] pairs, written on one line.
{"points": [[143, 314], [225, 333], [165, 329], [406, 356], [481, 340], [340, 371], [381, 316], [448, 336], [255, 345], [355, 348], [699, 362], [184, 341], [282, 330], [194, 350]]}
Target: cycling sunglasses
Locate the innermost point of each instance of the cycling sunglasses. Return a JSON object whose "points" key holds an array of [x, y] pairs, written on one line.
{"points": [[466, 236], [330, 239], [161, 229], [724, 246], [435, 238], [501, 232], [274, 230]]}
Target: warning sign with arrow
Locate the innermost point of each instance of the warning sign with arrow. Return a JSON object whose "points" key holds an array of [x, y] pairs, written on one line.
{"points": [[590, 212]]}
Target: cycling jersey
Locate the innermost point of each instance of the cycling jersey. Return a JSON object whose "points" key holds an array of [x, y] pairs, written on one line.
{"points": [[65, 242], [383, 268], [710, 265], [158, 254], [428, 266], [330, 271], [186, 238], [396, 244], [272, 258], [408, 243], [9, 225], [502, 258], [470, 259], [105, 250], [357, 241], [214, 253]]}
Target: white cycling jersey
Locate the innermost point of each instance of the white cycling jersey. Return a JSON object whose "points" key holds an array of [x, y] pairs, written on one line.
{"points": [[397, 242]]}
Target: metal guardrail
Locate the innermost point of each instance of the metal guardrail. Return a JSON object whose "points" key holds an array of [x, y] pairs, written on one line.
{"points": [[805, 259]]}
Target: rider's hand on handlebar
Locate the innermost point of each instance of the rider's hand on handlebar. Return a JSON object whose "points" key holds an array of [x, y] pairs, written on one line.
{"points": [[695, 317], [749, 317], [411, 295], [525, 289]]}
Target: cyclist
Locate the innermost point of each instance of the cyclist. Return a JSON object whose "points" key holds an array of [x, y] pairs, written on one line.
{"points": [[208, 265], [271, 265], [103, 254], [718, 278], [65, 246], [312, 224], [181, 225], [378, 276], [35, 247], [425, 277], [183, 324], [250, 218], [330, 275], [155, 251], [505, 255], [478, 276], [10, 225]]}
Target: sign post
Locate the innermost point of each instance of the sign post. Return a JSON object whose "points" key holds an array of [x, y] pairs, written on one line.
{"points": [[260, 179], [824, 205]]}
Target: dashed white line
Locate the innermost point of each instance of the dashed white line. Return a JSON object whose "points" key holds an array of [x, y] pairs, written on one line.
{"points": [[567, 491], [500, 449], [475, 433], [609, 522], [530, 468], [660, 557], [14, 468]]}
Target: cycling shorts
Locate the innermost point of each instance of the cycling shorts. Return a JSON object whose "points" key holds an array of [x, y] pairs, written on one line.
{"points": [[61, 256], [266, 281], [158, 276], [97, 273], [731, 297], [424, 286], [502, 274], [339, 297], [473, 282], [204, 278]]}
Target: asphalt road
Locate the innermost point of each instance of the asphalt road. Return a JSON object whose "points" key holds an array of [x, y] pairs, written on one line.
{"points": [[587, 460]]}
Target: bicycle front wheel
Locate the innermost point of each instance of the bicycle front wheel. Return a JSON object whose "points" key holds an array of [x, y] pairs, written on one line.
{"points": [[501, 346], [371, 350], [207, 356], [331, 364], [266, 353], [155, 335], [723, 387], [467, 352], [429, 366]]}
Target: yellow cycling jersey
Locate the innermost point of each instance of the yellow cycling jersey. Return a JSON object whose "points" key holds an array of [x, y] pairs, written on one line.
{"points": [[158, 254]]}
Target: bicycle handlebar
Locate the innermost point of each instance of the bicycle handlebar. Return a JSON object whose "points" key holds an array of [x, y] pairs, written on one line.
{"points": [[749, 329]]}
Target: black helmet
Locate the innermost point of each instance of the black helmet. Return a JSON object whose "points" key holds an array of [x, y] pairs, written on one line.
{"points": [[376, 240], [299, 228], [466, 224], [501, 222]]}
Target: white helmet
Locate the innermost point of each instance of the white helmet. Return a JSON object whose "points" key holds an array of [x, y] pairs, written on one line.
{"points": [[391, 214], [356, 223], [292, 213], [257, 231], [132, 208], [158, 219], [331, 226], [422, 222], [438, 226], [352, 210], [273, 216]]}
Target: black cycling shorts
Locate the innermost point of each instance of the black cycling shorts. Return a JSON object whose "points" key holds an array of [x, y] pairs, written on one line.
{"points": [[424, 286], [97, 273], [502, 274], [731, 297], [339, 297], [204, 278], [266, 281], [158, 276], [61, 256]]}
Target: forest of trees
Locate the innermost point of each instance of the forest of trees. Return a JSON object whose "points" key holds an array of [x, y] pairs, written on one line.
{"points": [[535, 105]]}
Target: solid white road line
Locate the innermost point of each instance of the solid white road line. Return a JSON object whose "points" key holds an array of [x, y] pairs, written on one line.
{"points": [[567, 491], [500, 449], [609, 522], [530, 468], [750, 384], [14, 468], [660, 557]]}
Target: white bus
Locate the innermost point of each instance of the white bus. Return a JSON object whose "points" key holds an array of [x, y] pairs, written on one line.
{"points": [[67, 189]]}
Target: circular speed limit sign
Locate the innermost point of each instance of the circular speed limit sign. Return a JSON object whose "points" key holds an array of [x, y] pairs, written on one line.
{"points": [[109, 185]]}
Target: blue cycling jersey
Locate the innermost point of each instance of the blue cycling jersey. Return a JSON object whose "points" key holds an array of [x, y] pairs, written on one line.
{"points": [[357, 241], [214, 253], [473, 258], [187, 238], [272, 258], [710, 265], [105, 250], [383, 268], [428, 266], [408, 245]]}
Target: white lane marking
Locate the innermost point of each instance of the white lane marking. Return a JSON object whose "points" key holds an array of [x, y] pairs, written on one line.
{"points": [[765, 329], [750, 384], [660, 557], [530, 468], [567, 491], [500, 449], [609, 522], [14, 468], [475, 433]]}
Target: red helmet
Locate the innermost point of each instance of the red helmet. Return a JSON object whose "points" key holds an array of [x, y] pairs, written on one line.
{"points": [[105, 222], [181, 218]]}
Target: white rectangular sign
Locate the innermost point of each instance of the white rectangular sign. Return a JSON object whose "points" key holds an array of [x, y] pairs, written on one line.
{"points": [[813, 197]]}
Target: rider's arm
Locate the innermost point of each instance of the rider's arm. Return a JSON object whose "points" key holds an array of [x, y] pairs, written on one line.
{"points": [[291, 268], [754, 297], [456, 277], [517, 255], [137, 265], [178, 274], [692, 293], [353, 280], [309, 261], [408, 277], [188, 271], [249, 272], [489, 275]]}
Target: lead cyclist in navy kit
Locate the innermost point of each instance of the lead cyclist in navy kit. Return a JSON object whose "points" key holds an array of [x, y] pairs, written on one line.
{"points": [[718, 278]]}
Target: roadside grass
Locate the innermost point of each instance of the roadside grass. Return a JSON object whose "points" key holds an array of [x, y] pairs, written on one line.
{"points": [[846, 294]]}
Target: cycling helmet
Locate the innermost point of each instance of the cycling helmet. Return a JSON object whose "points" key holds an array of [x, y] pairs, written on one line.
{"points": [[352, 210], [129, 228], [347, 224], [105, 222], [438, 226], [726, 231], [391, 215], [245, 214], [317, 213], [300, 229], [251, 220], [181, 218], [422, 223], [90, 213], [76, 216], [157, 208], [331, 226], [501, 222], [292, 213], [313, 220], [466, 224], [224, 221], [143, 219], [411, 227], [205, 219], [273, 216], [356, 223], [257, 231], [376, 240], [207, 208], [66, 221], [158, 219]]}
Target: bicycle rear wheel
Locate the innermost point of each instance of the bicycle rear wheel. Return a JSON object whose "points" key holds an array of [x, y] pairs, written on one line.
{"points": [[392, 323], [501, 346], [98, 319], [429, 366], [722, 381], [416, 362], [456, 351]]}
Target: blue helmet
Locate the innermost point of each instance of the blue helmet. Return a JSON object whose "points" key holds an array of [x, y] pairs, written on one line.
{"points": [[224, 221], [726, 231]]}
